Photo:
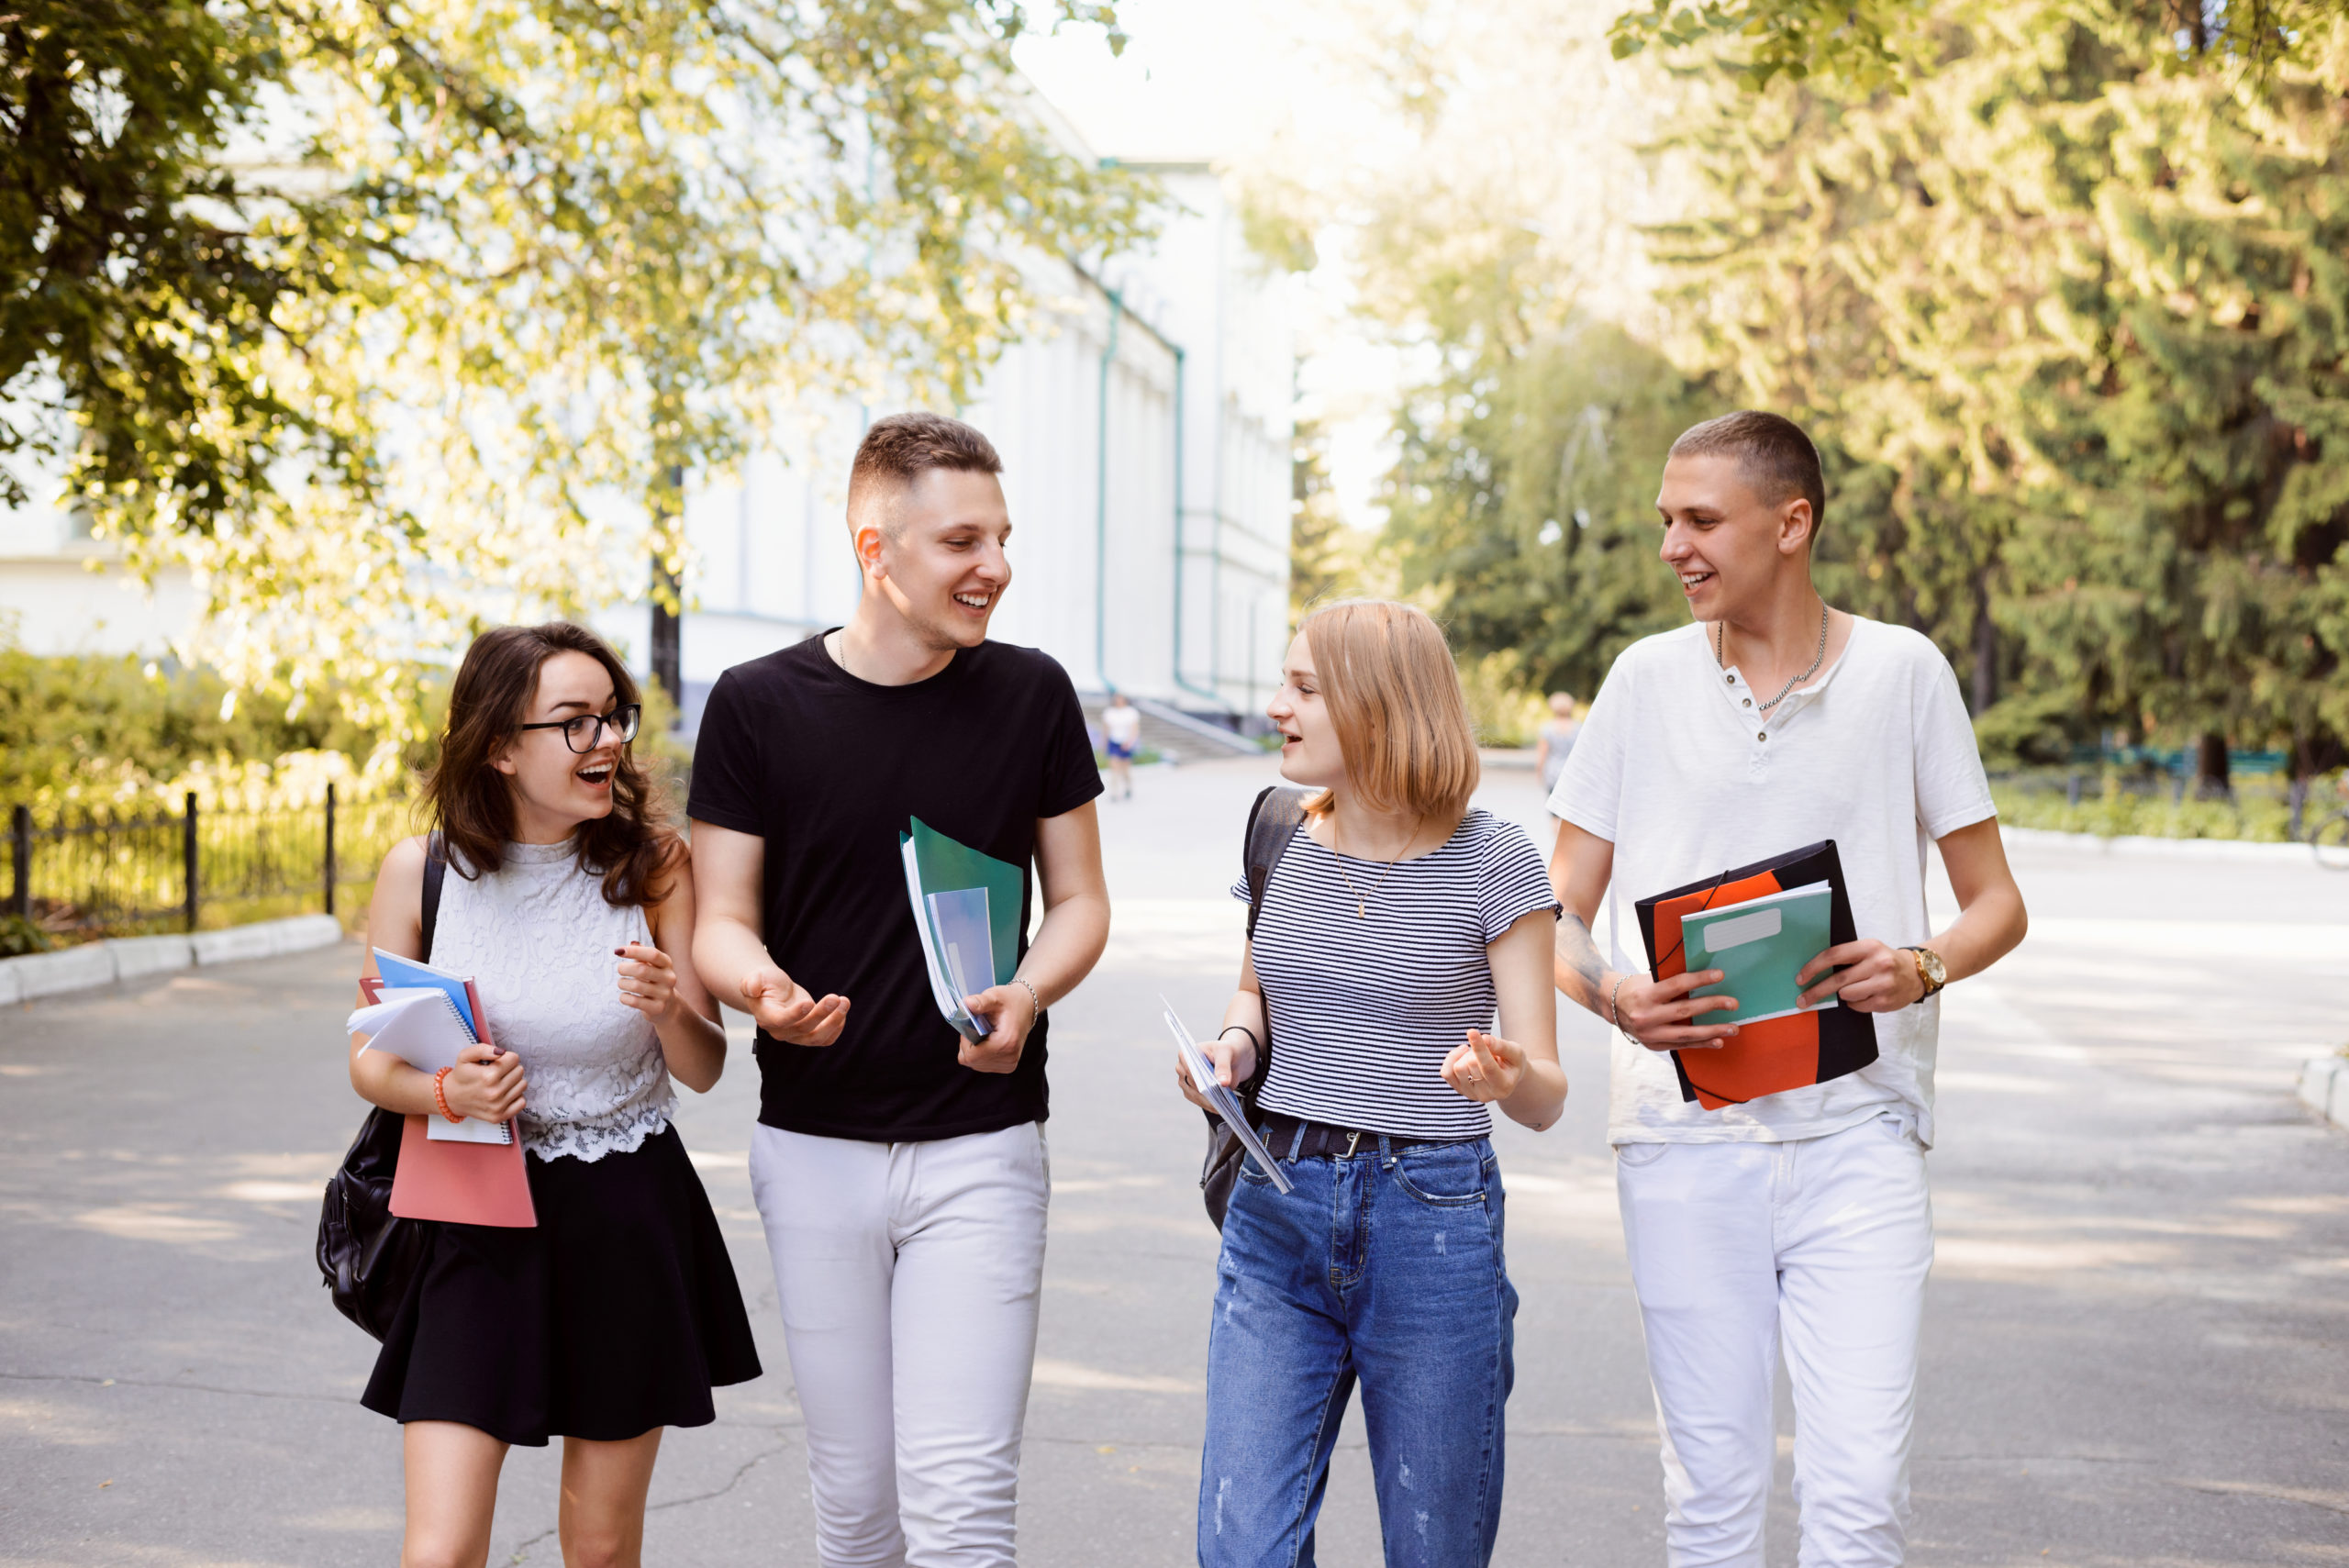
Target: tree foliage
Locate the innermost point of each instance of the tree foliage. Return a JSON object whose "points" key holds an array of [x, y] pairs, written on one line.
{"points": [[1873, 44], [2067, 320], [2074, 327], [387, 319], [1522, 503]]}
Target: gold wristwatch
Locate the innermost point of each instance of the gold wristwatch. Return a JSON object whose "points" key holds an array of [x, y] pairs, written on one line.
{"points": [[1931, 971]]}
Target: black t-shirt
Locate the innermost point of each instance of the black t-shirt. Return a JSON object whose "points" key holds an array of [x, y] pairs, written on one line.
{"points": [[828, 769]]}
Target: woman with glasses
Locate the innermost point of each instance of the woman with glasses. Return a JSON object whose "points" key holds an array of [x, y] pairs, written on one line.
{"points": [[569, 900], [1395, 922]]}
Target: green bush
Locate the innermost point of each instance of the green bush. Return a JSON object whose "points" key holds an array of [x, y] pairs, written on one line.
{"points": [[2261, 810], [95, 730], [19, 936]]}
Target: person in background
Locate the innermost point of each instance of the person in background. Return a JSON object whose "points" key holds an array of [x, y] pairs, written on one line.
{"points": [[901, 1169], [571, 902], [1798, 1219], [1556, 741], [1121, 729], [1394, 922]]}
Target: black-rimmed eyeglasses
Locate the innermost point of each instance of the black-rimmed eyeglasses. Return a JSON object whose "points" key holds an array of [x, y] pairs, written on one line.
{"points": [[585, 733]]}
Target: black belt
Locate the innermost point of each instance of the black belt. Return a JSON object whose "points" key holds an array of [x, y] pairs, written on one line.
{"points": [[1324, 1142]]}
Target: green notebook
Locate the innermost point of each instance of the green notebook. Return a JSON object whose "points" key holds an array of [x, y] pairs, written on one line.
{"points": [[1759, 945], [966, 907]]}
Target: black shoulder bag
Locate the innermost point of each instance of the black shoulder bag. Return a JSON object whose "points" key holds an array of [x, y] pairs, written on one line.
{"points": [[368, 1254], [1272, 823]]}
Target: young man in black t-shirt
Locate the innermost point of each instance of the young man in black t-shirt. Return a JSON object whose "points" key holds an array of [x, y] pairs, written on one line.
{"points": [[900, 1170]]}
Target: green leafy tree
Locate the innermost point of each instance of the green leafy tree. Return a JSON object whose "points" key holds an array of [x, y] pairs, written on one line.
{"points": [[2070, 326], [406, 318], [1523, 502], [1886, 43]]}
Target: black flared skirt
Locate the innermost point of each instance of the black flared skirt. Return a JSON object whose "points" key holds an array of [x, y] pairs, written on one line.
{"points": [[617, 1314]]}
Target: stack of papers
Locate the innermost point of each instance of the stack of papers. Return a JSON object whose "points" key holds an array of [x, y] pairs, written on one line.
{"points": [[1225, 1099], [424, 1016], [966, 908]]}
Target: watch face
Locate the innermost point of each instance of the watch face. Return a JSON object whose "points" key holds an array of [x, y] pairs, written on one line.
{"points": [[1935, 970]]}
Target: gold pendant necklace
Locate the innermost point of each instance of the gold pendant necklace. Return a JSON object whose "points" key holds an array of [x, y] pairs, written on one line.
{"points": [[1362, 902]]}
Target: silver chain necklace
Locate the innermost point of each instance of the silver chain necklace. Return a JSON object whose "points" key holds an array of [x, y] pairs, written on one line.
{"points": [[1721, 631]]}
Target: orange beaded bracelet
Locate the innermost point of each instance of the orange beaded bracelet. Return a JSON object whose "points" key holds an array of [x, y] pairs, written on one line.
{"points": [[439, 1093]]}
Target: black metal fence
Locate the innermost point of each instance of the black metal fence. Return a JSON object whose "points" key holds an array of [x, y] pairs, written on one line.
{"points": [[99, 873]]}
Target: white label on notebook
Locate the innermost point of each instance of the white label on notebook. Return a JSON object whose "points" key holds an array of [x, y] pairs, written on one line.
{"points": [[1722, 935]]}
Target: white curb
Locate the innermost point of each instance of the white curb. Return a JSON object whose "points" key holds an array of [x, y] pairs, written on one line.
{"points": [[266, 939], [135, 956], [72, 969], [128, 958], [2324, 1088], [2169, 849]]}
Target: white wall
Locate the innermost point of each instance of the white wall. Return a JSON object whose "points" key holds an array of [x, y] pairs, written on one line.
{"points": [[771, 556]]}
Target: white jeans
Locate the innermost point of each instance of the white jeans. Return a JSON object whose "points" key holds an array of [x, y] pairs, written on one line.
{"points": [[910, 1275], [1822, 1243]]}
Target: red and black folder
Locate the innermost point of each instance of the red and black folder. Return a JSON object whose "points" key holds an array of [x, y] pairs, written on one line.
{"points": [[1777, 1054]]}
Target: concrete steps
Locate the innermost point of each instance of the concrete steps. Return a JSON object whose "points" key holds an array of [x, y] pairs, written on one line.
{"points": [[1175, 735]]}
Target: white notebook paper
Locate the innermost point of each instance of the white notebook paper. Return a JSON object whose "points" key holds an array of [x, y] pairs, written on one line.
{"points": [[421, 1026]]}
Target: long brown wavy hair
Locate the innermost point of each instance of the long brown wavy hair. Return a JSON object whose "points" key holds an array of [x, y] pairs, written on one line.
{"points": [[471, 803]]}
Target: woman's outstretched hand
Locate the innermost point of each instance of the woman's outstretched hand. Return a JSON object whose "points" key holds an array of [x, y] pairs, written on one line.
{"points": [[1486, 1068]]}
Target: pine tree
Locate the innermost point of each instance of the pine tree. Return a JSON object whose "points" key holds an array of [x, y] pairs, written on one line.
{"points": [[2070, 329]]}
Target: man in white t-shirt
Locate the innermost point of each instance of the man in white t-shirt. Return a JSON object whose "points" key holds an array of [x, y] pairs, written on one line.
{"points": [[1799, 1218]]}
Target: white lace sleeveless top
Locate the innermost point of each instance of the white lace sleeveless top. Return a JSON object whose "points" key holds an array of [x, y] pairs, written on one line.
{"points": [[538, 937]]}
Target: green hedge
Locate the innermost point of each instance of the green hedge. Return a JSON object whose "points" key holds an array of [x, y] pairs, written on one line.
{"points": [[2260, 811]]}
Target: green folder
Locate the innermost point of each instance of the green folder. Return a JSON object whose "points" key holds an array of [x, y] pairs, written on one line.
{"points": [[939, 875], [1759, 945]]}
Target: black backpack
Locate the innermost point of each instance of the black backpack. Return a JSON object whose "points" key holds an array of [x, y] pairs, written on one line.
{"points": [[1271, 824], [367, 1254]]}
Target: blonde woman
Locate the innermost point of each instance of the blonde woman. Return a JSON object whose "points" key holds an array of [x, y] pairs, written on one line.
{"points": [[1394, 923]]}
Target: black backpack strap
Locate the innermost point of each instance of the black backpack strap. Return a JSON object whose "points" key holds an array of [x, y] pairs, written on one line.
{"points": [[436, 869], [1272, 825]]}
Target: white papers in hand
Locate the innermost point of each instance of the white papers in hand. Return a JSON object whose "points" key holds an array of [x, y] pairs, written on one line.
{"points": [[957, 945], [1226, 1100], [418, 1023], [472, 1129], [421, 1026]]}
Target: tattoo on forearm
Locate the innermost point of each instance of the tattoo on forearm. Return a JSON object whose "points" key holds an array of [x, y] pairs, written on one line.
{"points": [[1579, 963]]}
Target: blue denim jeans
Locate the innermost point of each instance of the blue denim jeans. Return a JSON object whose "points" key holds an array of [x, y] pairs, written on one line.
{"points": [[1381, 1265]]}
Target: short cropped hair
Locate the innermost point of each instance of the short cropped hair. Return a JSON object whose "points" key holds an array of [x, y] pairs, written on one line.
{"points": [[1394, 701], [900, 448], [1777, 459]]}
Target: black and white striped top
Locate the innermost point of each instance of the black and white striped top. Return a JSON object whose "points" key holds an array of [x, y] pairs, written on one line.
{"points": [[1364, 1010]]}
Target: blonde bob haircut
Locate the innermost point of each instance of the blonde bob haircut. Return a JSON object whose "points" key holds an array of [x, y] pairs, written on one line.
{"points": [[1394, 701]]}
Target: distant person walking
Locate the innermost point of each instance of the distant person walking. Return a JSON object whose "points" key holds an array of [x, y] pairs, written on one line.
{"points": [[572, 904], [1395, 919], [1556, 741], [1793, 1213], [901, 1169], [1121, 731]]}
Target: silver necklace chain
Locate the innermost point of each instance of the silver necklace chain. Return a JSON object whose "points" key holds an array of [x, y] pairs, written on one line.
{"points": [[1720, 636]]}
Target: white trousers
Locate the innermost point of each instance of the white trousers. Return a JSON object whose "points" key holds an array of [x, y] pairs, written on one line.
{"points": [[910, 1275], [1822, 1244]]}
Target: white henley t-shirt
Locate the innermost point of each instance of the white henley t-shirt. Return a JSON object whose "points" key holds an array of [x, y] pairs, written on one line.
{"points": [[1676, 771]]}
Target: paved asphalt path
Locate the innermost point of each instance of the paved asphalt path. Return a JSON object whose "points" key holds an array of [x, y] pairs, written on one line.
{"points": [[2135, 1350]]}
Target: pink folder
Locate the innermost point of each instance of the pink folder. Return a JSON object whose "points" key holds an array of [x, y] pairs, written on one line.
{"points": [[467, 1183]]}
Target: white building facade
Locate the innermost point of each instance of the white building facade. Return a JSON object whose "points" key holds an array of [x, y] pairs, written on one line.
{"points": [[1145, 430]]}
